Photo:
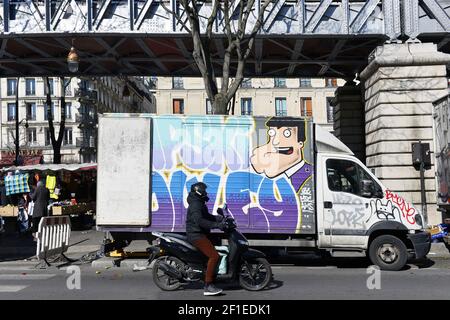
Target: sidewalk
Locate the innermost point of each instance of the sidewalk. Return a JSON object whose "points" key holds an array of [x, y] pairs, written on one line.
{"points": [[15, 247]]}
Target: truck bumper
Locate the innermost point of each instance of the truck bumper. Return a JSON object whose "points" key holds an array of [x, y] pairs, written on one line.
{"points": [[421, 242]]}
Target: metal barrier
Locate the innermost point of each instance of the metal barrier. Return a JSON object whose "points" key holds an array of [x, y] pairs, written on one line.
{"points": [[53, 237]]}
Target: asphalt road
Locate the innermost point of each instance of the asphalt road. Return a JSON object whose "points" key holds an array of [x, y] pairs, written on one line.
{"points": [[295, 279]]}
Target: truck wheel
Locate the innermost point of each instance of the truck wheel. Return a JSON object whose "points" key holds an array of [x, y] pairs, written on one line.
{"points": [[388, 252]]}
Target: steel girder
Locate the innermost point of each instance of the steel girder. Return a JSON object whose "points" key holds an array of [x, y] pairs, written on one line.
{"points": [[282, 17]]}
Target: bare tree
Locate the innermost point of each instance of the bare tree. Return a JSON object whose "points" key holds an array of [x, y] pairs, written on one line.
{"points": [[56, 142], [239, 44]]}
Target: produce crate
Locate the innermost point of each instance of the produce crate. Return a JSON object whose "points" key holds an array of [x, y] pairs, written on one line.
{"points": [[8, 211]]}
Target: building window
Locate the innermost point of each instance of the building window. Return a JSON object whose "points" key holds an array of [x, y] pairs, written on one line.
{"points": [[178, 106], [306, 107], [68, 89], [11, 136], [246, 106], [52, 110], [11, 111], [68, 110], [30, 87], [331, 82], [52, 86], [246, 83], [31, 111], [305, 82], [31, 135], [11, 87], [280, 107], [68, 136], [208, 107], [48, 140], [177, 83], [330, 110], [280, 82]]}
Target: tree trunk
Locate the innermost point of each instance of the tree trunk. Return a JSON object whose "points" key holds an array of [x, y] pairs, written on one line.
{"points": [[56, 154], [56, 142], [220, 104]]}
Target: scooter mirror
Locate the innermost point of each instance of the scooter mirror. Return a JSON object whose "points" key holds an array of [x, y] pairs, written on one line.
{"points": [[220, 211]]}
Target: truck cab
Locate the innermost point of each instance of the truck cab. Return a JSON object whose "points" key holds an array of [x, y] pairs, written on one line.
{"points": [[359, 212]]}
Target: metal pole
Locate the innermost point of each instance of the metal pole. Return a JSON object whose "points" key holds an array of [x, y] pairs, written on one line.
{"points": [[422, 193], [17, 121]]}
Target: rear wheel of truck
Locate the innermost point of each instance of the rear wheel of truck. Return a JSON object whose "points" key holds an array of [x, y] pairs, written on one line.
{"points": [[388, 252], [160, 277]]}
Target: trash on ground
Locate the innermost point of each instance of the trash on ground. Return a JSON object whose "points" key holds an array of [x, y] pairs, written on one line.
{"points": [[138, 268]]}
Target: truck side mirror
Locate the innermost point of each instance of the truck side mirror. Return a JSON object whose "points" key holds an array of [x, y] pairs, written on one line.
{"points": [[367, 188]]}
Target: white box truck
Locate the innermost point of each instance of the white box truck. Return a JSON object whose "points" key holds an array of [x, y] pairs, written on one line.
{"points": [[287, 182]]}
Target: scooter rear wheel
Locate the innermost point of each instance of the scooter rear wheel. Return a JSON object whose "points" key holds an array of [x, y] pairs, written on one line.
{"points": [[161, 278], [255, 274]]}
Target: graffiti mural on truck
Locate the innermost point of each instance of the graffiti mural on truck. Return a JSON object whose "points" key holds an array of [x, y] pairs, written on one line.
{"points": [[204, 149]]}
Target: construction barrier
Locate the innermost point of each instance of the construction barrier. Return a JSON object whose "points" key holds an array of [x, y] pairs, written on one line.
{"points": [[53, 236]]}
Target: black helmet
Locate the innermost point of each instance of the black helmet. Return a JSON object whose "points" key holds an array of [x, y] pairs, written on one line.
{"points": [[199, 188]]}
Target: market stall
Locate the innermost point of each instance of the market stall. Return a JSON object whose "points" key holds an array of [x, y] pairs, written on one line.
{"points": [[72, 187]]}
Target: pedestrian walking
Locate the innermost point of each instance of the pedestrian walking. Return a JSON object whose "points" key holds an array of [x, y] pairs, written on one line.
{"points": [[40, 196], [22, 216]]}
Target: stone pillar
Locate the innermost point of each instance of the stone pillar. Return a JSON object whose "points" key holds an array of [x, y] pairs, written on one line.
{"points": [[401, 82], [349, 118]]}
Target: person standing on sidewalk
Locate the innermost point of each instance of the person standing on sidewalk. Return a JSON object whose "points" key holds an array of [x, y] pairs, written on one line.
{"points": [[40, 196]]}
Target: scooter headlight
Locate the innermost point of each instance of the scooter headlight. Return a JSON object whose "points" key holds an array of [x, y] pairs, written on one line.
{"points": [[243, 242]]}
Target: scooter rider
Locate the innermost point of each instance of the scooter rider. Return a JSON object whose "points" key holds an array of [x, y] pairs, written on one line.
{"points": [[198, 225]]}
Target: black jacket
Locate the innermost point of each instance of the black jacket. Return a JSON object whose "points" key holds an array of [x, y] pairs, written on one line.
{"points": [[40, 197], [198, 221]]}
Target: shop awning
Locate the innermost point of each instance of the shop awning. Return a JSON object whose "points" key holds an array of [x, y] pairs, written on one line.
{"points": [[54, 167]]}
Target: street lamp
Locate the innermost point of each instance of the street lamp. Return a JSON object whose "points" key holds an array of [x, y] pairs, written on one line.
{"points": [[73, 60]]}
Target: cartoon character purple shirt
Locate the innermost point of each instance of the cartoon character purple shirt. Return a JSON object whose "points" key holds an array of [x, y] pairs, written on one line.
{"points": [[298, 174]]}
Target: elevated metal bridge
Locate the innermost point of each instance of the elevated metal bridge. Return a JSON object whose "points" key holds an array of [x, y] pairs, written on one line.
{"points": [[300, 38]]}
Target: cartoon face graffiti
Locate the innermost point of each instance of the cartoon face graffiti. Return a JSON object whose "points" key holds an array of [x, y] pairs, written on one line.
{"points": [[283, 153], [385, 211]]}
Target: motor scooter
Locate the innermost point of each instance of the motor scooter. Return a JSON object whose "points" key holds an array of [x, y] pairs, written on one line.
{"points": [[178, 262]]}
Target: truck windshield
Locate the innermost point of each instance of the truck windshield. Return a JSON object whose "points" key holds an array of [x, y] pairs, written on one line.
{"points": [[347, 176]]}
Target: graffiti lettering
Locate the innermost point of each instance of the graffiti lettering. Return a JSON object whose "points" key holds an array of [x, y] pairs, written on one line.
{"points": [[348, 218], [306, 198], [407, 210], [253, 200]]}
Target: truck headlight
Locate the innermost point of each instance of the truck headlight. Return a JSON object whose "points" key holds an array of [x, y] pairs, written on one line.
{"points": [[419, 220]]}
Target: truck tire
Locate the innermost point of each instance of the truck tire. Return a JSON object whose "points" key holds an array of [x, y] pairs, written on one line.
{"points": [[388, 252]]}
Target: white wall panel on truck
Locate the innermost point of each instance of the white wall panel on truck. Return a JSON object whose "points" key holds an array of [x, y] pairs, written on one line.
{"points": [[124, 157]]}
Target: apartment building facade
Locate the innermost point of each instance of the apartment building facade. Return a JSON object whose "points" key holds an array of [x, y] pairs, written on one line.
{"points": [[80, 116], [256, 96]]}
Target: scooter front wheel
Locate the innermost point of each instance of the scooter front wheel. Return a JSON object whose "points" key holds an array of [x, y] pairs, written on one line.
{"points": [[255, 274], [161, 278]]}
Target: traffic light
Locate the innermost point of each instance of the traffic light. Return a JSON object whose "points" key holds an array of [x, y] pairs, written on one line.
{"points": [[421, 153]]}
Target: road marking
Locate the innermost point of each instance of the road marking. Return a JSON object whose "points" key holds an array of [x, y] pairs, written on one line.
{"points": [[18, 268], [26, 276], [11, 288], [321, 268]]}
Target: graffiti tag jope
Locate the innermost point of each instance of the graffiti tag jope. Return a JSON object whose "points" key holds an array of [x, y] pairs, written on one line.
{"points": [[384, 210], [408, 211]]}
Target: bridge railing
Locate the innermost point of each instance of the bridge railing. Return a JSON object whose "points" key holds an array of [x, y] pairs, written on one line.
{"points": [[325, 17]]}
